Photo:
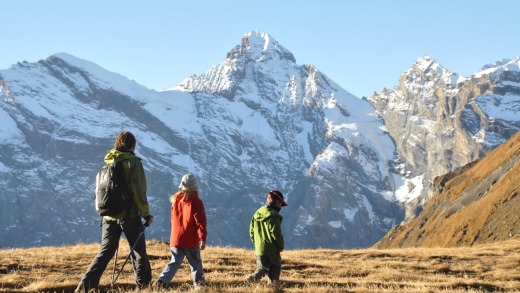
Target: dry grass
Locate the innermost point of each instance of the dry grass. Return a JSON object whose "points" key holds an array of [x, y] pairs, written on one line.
{"points": [[484, 268]]}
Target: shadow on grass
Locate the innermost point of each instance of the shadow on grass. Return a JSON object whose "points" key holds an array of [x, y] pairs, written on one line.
{"points": [[478, 286]]}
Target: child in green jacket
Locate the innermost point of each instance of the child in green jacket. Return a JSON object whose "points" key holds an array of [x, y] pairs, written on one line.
{"points": [[266, 234]]}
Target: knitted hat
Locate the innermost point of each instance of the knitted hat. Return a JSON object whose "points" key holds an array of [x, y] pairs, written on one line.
{"points": [[189, 182]]}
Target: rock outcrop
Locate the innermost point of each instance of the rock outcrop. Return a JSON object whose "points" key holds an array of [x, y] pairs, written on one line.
{"points": [[441, 121]]}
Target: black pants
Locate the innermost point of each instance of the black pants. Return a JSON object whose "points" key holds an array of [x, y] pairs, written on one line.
{"points": [[269, 265], [111, 232]]}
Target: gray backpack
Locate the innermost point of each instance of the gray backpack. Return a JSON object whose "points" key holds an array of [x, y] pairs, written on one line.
{"points": [[112, 195]]}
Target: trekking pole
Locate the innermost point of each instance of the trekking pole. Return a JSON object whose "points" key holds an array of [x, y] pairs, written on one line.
{"points": [[128, 257], [114, 271]]}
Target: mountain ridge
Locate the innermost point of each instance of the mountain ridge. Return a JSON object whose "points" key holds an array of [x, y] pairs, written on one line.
{"points": [[247, 126], [255, 121]]}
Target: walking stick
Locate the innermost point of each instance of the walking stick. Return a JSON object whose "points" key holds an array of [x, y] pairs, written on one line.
{"points": [[128, 257], [114, 271]]}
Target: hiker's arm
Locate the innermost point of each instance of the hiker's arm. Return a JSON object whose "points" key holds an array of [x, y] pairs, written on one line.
{"points": [[139, 196], [252, 231], [200, 220], [277, 232]]}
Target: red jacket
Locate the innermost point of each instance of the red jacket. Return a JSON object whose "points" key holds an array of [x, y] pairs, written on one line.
{"points": [[188, 221]]}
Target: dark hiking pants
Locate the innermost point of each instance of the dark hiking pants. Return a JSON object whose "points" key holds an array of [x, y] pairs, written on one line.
{"points": [[111, 232], [269, 265]]}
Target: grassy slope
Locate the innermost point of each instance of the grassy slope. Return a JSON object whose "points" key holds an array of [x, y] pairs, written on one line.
{"points": [[479, 205], [482, 268]]}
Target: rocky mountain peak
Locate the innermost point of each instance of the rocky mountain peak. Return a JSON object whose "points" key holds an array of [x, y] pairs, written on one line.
{"points": [[424, 62], [441, 121], [258, 46], [427, 69], [495, 64], [495, 69], [260, 62]]}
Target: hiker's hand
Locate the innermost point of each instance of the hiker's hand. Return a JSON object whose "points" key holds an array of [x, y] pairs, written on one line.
{"points": [[149, 220], [202, 245]]}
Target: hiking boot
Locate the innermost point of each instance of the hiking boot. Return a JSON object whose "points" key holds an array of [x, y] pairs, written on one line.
{"points": [[159, 286], [250, 279], [275, 284], [200, 285], [200, 288], [81, 288], [140, 287]]}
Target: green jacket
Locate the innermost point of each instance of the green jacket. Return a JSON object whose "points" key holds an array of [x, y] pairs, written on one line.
{"points": [[265, 231], [135, 174]]}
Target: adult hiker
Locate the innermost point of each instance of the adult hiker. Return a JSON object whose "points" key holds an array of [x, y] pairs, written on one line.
{"points": [[266, 234], [188, 233], [128, 221]]}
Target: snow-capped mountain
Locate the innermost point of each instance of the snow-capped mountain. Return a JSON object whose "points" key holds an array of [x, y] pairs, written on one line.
{"points": [[256, 121], [64, 116], [441, 121], [309, 137]]}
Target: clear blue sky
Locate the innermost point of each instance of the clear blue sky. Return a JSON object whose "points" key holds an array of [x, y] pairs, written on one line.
{"points": [[362, 45]]}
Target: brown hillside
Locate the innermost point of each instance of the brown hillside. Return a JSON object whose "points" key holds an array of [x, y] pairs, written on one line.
{"points": [[481, 268], [477, 204]]}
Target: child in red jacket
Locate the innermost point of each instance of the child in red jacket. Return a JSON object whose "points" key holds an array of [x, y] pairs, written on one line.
{"points": [[188, 234]]}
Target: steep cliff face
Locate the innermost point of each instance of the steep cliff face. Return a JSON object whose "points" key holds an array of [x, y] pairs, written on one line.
{"points": [[441, 121], [477, 203], [255, 122]]}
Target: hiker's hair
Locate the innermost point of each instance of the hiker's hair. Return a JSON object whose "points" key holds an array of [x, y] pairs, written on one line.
{"points": [[271, 199], [183, 195], [124, 141]]}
